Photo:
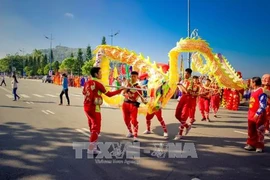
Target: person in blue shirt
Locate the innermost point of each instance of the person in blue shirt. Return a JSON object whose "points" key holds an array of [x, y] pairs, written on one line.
{"points": [[144, 84], [64, 90]]}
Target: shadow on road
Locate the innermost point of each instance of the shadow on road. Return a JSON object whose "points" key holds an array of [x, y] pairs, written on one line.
{"points": [[28, 152], [16, 107]]}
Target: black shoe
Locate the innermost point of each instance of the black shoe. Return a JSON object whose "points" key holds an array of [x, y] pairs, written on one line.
{"points": [[203, 119]]}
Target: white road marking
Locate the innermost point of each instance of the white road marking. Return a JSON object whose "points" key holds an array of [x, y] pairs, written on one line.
{"points": [[8, 91], [38, 95], [29, 102], [45, 112], [240, 132], [25, 96], [50, 112], [77, 95], [83, 132], [50, 95], [85, 129], [9, 95]]}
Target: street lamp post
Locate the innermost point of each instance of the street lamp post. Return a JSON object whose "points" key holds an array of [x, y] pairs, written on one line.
{"points": [[188, 29], [112, 35], [50, 50], [23, 60]]}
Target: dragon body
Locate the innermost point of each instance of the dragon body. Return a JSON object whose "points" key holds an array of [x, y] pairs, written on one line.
{"points": [[216, 65]]}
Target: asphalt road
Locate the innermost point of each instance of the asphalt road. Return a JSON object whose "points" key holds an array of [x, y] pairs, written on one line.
{"points": [[37, 136]]}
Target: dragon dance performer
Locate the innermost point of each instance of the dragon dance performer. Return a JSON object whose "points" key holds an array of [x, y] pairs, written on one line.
{"points": [[193, 100], [182, 109], [215, 98], [92, 91], [157, 111], [256, 117], [266, 85], [204, 100], [131, 105]]}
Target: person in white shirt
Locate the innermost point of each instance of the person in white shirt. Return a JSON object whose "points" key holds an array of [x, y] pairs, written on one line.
{"points": [[3, 80], [14, 86]]}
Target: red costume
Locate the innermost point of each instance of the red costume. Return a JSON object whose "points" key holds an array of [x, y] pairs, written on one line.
{"points": [[130, 108], [204, 102], [92, 91], [183, 107], [193, 102], [257, 105], [157, 113], [215, 98]]}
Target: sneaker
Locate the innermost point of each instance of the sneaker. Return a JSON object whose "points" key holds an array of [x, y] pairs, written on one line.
{"points": [[215, 116], [68, 104], [147, 132], [249, 148], [135, 139], [94, 151], [188, 129], [177, 137], [208, 120], [129, 135], [259, 150], [60, 104], [165, 134], [203, 119]]}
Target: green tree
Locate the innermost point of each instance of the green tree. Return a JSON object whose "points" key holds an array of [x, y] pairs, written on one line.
{"points": [[29, 71], [30, 61], [103, 42], [37, 53], [34, 66], [51, 55], [87, 67], [78, 62], [26, 61], [40, 71], [88, 53], [5, 64], [46, 69], [72, 55], [55, 66], [67, 65], [44, 61]]}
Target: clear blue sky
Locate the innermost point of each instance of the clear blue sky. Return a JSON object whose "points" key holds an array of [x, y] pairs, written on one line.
{"points": [[239, 29]]}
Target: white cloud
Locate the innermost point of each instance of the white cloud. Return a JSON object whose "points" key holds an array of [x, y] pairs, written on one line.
{"points": [[69, 15]]}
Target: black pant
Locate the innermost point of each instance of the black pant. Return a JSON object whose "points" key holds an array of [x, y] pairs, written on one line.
{"points": [[3, 82], [64, 91], [15, 94]]}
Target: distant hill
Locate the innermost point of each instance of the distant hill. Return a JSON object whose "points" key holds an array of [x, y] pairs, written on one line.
{"points": [[62, 52]]}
